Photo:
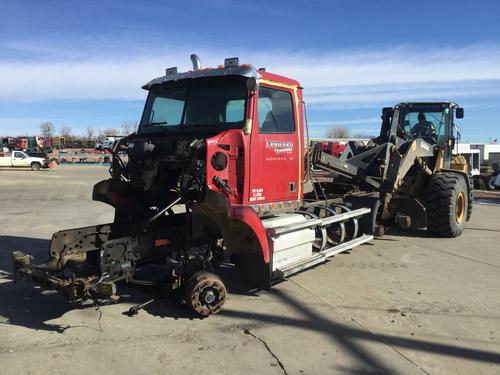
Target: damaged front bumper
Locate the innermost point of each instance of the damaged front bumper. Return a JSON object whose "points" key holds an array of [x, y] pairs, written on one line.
{"points": [[68, 247], [75, 289]]}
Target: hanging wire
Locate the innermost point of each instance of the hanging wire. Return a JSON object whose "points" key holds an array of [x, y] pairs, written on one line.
{"points": [[308, 153], [310, 173]]}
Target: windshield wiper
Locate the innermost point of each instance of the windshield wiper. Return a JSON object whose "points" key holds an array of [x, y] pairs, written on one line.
{"points": [[156, 123]]}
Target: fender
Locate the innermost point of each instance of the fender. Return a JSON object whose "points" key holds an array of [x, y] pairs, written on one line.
{"points": [[247, 215]]}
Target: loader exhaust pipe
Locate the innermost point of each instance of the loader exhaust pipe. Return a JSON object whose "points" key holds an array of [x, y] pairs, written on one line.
{"points": [[196, 61]]}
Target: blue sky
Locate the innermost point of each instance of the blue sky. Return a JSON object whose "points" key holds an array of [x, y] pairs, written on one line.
{"points": [[81, 63]]}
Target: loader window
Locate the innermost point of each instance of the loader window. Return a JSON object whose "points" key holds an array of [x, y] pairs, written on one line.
{"points": [[427, 123], [275, 111]]}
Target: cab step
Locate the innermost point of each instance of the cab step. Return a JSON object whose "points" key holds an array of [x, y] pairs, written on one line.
{"points": [[320, 257]]}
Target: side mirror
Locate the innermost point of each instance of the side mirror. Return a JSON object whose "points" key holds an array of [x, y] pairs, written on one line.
{"points": [[387, 111], [252, 84], [459, 112]]}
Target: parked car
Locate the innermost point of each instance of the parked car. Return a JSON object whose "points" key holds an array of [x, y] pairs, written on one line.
{"points": [[106, 144], [21, 159]]}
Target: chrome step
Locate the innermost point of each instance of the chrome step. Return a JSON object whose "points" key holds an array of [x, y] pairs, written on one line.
{"points": [[320, 257]]}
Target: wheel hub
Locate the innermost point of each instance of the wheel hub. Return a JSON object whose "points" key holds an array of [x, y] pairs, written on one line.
{"points": [[460, 208], [206, 293], [208, 296]]}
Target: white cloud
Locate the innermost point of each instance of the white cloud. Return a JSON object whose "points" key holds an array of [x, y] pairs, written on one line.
{"points": [[400, 65], [331, 79], [322, 124]]}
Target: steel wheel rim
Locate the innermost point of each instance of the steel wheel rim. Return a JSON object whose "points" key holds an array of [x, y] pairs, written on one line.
{"points": [[208, 306], [332, 228], [321, 237], [460, 208], [351, 222]]}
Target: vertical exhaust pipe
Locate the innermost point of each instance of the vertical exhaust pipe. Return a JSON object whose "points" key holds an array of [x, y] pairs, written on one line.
{"points": [[196, 61]]}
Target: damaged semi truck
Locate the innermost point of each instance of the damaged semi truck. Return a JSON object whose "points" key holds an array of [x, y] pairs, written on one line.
{"points": [[218, 169]]}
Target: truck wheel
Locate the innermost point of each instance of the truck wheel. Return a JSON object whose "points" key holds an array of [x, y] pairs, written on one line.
{"points": [[35, 166], [446, 202], [205, 293], [490, 183]]}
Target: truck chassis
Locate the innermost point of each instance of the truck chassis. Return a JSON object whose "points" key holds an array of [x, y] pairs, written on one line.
{"points": [[211, 180]]}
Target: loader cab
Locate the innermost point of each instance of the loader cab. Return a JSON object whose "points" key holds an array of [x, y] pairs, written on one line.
{"points": [[433, 122]]}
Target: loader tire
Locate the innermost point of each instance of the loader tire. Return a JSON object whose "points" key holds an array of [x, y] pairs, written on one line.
{"points": [[470, 202], [447, 203], [205, 293]]}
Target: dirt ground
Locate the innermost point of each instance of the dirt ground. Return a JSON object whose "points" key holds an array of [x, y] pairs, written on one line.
{"points": [[404, 304]]}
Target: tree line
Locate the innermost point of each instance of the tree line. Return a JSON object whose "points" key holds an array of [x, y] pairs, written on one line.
{"points": [[48, 130], [341, 132]]}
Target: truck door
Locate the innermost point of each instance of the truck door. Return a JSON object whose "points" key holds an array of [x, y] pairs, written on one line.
{"points": [[19, 159], [275, 153]]}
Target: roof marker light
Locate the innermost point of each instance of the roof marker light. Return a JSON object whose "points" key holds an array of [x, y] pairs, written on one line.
{"points": [[231, 62], [171, 71]]}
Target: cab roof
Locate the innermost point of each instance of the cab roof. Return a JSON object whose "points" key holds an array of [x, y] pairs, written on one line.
{"points": [[245, 70], [426, 104]]}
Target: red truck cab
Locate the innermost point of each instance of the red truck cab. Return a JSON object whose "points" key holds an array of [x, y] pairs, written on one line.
{"points": [[258, 162], [265, 158]]}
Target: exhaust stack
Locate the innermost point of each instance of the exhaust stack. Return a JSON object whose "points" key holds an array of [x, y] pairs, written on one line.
{"points": [[196, 61]]}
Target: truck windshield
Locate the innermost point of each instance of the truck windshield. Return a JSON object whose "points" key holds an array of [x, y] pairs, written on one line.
{"points": [[204, 104]]}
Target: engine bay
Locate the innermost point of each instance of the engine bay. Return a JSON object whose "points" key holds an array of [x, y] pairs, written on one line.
{"points": [[158, 166]]}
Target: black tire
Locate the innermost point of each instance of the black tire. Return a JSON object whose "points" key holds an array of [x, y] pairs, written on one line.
{"points": [[470, 202], [490, 183], [477, 182], [205, 293], [36, 166], [446, 202]]}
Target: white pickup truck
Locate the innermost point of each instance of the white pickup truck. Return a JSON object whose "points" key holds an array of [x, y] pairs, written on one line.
{"points": [[106, 144], [21, 159]]}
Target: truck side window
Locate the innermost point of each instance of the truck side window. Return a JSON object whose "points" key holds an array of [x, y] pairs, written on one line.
{"points": [[275, 111], [19, 155]]}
